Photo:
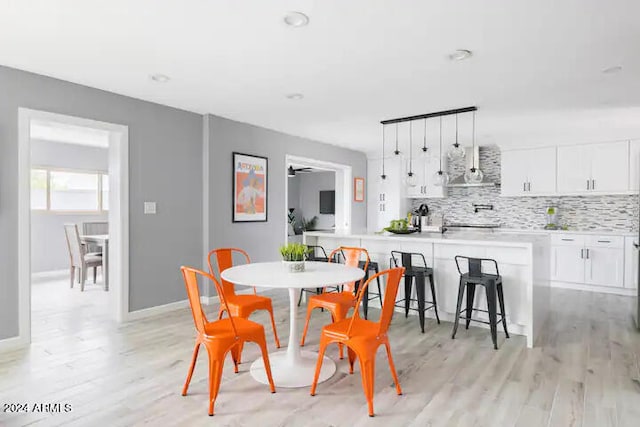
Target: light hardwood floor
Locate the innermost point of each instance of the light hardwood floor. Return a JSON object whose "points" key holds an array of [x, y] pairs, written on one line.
{"points": [[585, 372]]}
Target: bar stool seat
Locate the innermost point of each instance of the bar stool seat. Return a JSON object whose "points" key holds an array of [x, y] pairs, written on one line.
{"points": [[369, 296], [416, 273], [493, 287]]}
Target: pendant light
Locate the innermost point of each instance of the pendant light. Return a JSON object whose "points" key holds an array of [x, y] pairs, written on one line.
{"points": [[423, 153], [383, 176], [412, 180], [441, 178], [473, 175], [396, 152], [456, 152]]}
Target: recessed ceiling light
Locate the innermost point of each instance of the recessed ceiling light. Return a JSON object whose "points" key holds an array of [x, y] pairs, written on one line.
{"points": [[295, 96], [612, 70], [159, 78], [460, 55], [296, 19]]}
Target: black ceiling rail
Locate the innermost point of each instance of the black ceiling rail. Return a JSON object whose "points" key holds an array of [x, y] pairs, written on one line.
{"points": [[429, 115]]}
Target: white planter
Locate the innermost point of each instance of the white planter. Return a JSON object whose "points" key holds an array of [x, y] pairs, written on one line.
{"points": [[294, 266]]}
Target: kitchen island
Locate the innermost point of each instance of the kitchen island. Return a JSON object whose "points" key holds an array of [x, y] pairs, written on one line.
{"points": [[523, 260]]}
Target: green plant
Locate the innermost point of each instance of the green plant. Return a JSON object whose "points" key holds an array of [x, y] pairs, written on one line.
{"points": [[294, 252], [309, 224]]}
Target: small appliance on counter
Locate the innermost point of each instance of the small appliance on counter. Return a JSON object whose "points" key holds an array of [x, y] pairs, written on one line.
{"points": [[420, 218], [552, 219]]}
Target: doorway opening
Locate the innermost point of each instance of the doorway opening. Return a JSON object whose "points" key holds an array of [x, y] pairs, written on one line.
{"points": [[317, 197], [73, 224]]}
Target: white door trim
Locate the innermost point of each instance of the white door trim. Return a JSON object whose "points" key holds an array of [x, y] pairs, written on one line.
{"points": [[118, 214], [344, 183]]}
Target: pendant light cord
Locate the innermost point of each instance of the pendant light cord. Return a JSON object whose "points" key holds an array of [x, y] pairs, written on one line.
{"points": [[440, 153], [456, 144], [397, 151], [383, 175], [424, 141], [410, 150], [473, 141]]}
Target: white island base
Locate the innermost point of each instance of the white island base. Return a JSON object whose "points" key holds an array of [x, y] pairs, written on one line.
{"points": [[523, 261]]}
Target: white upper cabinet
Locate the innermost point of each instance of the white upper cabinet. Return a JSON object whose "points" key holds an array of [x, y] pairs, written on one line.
{"points": [[384, 201], [594, 168], [424, 168], [610, 166], [528, 172], [634, 165]]}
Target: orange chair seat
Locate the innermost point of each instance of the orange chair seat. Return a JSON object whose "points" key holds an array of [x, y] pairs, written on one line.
{"points": [[222, 328], [240, 304], [362, 329], [345, 299]]}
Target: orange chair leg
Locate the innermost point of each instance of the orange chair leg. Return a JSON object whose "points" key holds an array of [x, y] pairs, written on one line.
{"points": [[215, 376], [193, 365], [273, 325], [321, 350], [267, 365], [367, 368], [306, 325], [236, 351], [352, 359], [393, 369]]}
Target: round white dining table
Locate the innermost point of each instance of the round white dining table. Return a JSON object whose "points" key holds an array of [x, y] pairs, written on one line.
{"points": [[293, 367]]}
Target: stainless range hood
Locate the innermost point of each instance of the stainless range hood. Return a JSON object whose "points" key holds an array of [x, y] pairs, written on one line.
{"points": [[471, 158]]}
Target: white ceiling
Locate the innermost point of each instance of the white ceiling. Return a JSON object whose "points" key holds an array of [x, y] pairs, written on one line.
{"points": [[68, 134], [536, 73]]}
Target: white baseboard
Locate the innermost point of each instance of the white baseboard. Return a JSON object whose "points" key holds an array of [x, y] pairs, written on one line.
{"points": [[13, 343], [159, 309], [594, 288]]}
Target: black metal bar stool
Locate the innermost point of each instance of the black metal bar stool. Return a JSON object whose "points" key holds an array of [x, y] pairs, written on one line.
{"points": [[493, 286], [416, 273], [368, 296], [316, 253]]}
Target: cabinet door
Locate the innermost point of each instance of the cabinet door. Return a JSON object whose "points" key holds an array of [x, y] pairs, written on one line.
{"points": [[514, 173], [609, 166], [567, 264], [630, 263], [574, 169], [634, 165], [417, 167], [374, 194], [431, 166], [604, 266], [541, 170]]}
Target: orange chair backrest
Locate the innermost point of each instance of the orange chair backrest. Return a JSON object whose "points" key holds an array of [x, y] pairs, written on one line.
{"points": [[190, 276], [224, 260], [393, 282], [353, 256]]}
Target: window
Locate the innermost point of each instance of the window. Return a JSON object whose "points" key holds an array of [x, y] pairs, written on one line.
{"points": [[69, 190]]}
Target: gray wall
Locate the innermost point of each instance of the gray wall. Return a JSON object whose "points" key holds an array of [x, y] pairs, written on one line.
{"points": [[261, 239], [165, 166], [48, 246], [310, 186]]}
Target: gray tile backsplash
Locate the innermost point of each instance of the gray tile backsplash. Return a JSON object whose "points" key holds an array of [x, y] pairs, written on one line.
{"points": [[619, 213]]}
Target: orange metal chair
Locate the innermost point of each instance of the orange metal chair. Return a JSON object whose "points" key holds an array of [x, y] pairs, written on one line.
{"points": [[338, 303], [239, 305], [363, 337], [220, 337]]}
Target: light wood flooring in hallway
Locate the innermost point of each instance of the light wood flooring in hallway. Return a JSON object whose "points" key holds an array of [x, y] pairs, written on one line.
{"points": [[584, 372]]}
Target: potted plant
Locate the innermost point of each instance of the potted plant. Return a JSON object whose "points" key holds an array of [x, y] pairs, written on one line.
{"points": [[293, 256]]}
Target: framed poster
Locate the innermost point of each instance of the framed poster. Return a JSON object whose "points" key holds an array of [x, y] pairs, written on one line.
{"points": [[249, 188], [358, 189]]}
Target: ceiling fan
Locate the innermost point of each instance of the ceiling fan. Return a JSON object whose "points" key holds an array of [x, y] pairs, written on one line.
{"points": [[291, 171]]}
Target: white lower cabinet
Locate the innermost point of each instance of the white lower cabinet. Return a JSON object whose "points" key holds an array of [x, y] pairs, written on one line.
{"points": [[588, 260], [630, 263]]}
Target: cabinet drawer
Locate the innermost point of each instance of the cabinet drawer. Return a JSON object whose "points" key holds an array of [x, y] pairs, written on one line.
{"points": [[568, 240], [605, 241]]}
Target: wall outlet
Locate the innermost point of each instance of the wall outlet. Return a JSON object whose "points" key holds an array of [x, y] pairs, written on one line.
{"points": [[149, 208]]}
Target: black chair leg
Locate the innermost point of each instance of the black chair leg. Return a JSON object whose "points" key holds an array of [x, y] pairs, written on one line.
{"points": [[471, 292], [420, 294], [433, 294], [458, 308], [501, 301], [365, 302], [491, 307], [300, 297], [379, 292], [407, 294]]}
